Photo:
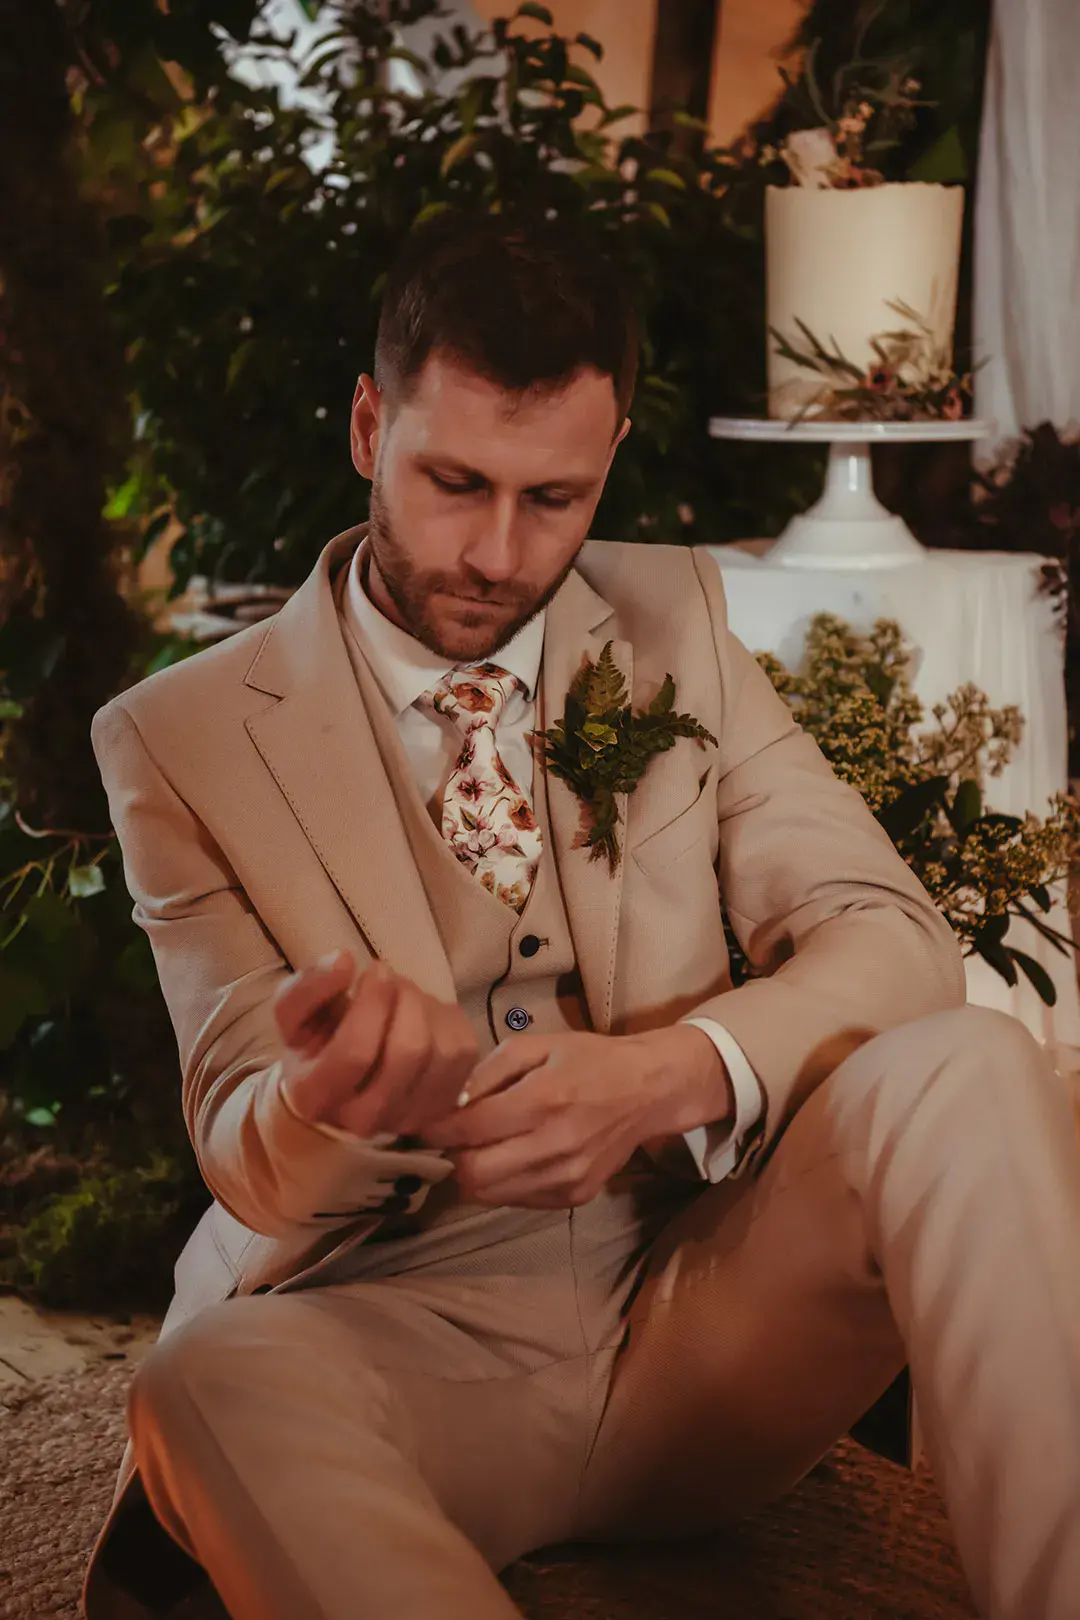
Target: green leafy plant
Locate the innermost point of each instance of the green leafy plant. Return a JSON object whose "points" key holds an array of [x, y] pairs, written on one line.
{"points": [[927, 788], [106, 1242], [602, 747], [247, 282]]}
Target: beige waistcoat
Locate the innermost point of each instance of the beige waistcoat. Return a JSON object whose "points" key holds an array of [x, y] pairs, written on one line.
{"points": [[482, 937]]}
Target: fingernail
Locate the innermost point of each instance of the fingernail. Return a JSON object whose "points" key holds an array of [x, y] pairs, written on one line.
{"points": [[331, 959], [463, 1099]]}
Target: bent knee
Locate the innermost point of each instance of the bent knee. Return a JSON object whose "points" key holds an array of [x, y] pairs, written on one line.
{"points": [[994, 1039], [209, 1338], [944, 1055]]}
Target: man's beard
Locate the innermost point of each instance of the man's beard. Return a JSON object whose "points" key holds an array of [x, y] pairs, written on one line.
{"points": [[412, 591]]}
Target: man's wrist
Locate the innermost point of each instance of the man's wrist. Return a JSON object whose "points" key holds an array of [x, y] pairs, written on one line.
{"points": [[692, 1084]]}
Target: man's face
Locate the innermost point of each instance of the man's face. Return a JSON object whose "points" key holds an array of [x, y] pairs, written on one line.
{"points": [[480, 501]]}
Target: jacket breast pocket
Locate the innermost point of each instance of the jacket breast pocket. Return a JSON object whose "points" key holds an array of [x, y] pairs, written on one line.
{"points": [[683, 832]]}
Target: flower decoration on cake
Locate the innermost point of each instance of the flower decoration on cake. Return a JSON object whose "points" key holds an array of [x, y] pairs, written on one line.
{"points": [[910, 379], [844, 128]]}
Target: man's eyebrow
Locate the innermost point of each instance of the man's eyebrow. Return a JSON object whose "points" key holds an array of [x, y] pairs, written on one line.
{"points": [[573, 486]]}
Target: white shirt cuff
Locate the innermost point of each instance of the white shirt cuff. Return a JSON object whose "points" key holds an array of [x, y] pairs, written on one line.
{"points": [[716, 1149]]}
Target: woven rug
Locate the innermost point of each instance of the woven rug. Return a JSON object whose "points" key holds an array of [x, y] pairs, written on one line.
{"points": [[859, 1539]]}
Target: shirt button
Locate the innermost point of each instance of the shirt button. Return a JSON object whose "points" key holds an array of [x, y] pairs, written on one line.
{"points": [[529, 945], [518, 1018]]}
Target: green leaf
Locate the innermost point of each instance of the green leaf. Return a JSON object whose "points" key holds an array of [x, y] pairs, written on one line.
{"points": [[667, 177], [944, 163], [993, 929], [471, 103], [598, 735], [590, 44], [912, 807], [659, 212], [398, 53], [662, 702], [541, 14], [966, 806], [42, 1117], [616, 114], [428, 212], [119, 503], [49, 918], [605, 685], [999, 959], [457, 153], [10, 710], [1041, 896], [1060, 942], [85, 880], [1040, 979], [237, 361]]}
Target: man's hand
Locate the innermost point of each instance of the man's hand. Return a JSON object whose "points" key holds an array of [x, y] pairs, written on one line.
{"points": [[385, 1057], [550, 1117]]}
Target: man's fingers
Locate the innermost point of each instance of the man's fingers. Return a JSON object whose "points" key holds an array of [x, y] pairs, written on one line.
{"points": [[402, 1061], [354, 1048], [523, 1107], [525, 1165], [505, 1065], [305, 1004], [453, 1057]]}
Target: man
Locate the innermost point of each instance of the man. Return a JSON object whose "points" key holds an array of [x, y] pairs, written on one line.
{"points": [[557, 1234]]}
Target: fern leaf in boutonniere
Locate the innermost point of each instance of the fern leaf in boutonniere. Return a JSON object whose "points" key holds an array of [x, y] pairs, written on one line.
{"points": [[601, 747]]}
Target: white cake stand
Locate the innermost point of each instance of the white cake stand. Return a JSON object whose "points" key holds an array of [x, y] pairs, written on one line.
{"points": [[848, 527]]}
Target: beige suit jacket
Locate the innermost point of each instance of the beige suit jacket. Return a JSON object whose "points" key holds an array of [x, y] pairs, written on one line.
{"points": [[259, 831]]}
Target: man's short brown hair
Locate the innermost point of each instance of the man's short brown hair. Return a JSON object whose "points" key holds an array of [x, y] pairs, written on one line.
{"points": [[525, 303]]}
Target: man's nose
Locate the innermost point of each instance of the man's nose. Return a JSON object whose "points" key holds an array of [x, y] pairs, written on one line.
{"points": [[495, 547]]}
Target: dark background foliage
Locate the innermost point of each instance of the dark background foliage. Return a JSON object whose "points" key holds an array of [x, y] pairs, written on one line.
{"points": [[184, 309]]}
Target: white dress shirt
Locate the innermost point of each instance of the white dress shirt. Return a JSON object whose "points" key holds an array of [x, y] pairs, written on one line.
{"points": [[405, 668]]}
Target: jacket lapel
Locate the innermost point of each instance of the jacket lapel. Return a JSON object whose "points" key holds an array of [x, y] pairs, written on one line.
{"points": [[575, 631], [318, 744]]}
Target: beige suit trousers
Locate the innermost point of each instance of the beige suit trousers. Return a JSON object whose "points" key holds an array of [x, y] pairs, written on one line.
{"points": [[380, 1447]]}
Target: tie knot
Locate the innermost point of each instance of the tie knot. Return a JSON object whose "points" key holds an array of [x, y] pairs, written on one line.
{"points": [[471, 695]]}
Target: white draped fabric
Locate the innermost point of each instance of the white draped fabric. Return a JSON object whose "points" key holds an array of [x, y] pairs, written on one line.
{"points": [[1027, 219]]}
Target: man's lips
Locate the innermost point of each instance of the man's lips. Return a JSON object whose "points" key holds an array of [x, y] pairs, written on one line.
{"points": [[477, 601]]}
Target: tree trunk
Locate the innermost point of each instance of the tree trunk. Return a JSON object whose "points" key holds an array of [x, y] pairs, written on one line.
{"points": [[66, 632]]}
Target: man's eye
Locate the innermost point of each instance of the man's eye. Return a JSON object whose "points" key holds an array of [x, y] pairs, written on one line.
{"points": [[453, 486], [552, 503]]}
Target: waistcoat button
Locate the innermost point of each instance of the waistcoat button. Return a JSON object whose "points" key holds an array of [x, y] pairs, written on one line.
{"points": [[529, 945], [518, 1018]]}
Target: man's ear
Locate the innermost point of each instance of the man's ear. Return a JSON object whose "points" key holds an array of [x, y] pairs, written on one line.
{"points": [[618, 439], [364, 425]]}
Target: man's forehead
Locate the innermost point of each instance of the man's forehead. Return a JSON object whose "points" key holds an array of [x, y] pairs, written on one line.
{"points": [[448, 389]]}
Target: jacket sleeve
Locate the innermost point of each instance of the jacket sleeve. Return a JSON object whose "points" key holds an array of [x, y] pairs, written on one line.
{"points": [[219, 968], [841, 935]]}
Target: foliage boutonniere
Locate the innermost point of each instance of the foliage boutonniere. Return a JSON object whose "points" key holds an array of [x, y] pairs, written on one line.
{"points": [[602, 748]]}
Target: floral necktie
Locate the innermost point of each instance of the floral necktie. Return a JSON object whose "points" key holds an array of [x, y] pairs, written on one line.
{"points": [[486, 818]]}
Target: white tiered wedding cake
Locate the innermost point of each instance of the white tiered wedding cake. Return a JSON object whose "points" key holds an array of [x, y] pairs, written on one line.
{"points": [[838, 258]]}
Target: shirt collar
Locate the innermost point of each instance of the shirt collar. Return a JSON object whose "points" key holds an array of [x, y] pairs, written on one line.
{"points": [[404, 667]]}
